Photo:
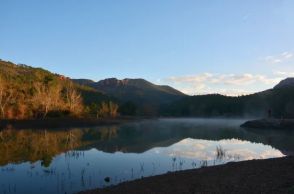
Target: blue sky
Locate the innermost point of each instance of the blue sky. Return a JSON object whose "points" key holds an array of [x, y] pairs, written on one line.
{"points": [[231, 47]]}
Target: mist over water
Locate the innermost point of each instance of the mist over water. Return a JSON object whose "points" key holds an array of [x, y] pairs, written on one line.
{"points": [[72, 160]]}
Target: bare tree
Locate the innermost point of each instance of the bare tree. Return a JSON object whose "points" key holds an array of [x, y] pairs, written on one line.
{"points": [[103, 110], [73, 98], [47, 97], [113, 108], [107, 109]]}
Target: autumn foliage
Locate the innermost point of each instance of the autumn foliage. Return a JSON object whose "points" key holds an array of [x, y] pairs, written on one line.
{"points": [[27, 92]]}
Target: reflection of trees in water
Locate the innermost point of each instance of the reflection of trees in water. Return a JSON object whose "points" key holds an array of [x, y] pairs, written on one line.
{"points": [[100, 134], [1, 136], [108, 133], [71, 140], [34, 145]]}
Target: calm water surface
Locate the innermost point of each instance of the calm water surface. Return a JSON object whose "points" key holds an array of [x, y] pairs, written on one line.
{"points": [[72, 160]]}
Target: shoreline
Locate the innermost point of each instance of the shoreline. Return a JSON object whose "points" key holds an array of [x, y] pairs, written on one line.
{"points": [[55, 123], [269, 123], [68, 122], [255, 176]]}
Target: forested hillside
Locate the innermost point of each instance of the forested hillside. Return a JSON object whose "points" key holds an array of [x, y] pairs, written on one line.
{"points": [[27, 92], [147, 98], [278, 102]]}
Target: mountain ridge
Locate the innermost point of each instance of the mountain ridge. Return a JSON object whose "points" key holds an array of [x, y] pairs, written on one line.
{"points": [[137, 82], [138, 95], [148, 97], [286, 83]]}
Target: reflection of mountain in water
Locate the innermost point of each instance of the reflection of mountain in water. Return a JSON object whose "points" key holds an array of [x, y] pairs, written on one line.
{"points": [[32, 145], [142, 136]]}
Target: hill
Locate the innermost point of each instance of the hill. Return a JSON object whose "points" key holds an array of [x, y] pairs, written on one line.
{"points": [[147, 96], [286, 83], [279, 101], [28, 92]]}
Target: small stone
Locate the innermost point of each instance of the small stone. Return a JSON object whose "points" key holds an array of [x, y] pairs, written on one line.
{"points": [[107, 179]]}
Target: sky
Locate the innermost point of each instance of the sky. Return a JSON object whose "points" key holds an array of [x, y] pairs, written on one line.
{"points": [[232, 47]]}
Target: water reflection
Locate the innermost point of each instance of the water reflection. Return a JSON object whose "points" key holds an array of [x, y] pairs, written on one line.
{"points": [[225, 150], [59, 161], [33, 145]]}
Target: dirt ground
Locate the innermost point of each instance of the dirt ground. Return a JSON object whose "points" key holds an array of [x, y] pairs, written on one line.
{"points": [[256, 176]]}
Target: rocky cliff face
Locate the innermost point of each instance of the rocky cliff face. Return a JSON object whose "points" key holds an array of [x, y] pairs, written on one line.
{"points": [[112, 82]]}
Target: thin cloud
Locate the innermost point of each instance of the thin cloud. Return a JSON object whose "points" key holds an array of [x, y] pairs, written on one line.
{"points": [[228, 79], [227, 84], [280, 58], [284, 74], [232, 84]]}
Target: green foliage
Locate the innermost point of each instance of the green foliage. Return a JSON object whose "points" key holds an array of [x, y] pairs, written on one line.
{"points": [[280, 101], [106, 109], [146, 97], [128, 108]]}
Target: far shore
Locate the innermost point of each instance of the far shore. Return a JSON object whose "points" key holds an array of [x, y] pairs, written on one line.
{"points": [[270, 123], [255, 176], [55, 123], [70, 122]]}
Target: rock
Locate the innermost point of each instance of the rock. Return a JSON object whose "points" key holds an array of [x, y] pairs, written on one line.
{"points": [[107, 179], [270, 124]]}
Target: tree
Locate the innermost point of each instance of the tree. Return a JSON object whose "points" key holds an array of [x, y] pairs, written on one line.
{"points": [[73, 98], [113, 109], [103, 110], [21, 110], [47, 97], [107, 109], [128, 108], [6, 95]]}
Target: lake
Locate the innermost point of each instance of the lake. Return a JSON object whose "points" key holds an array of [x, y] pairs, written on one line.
{"points": [[77, 159]]}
